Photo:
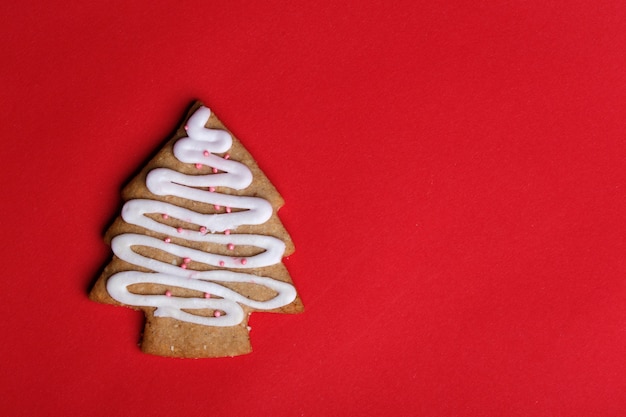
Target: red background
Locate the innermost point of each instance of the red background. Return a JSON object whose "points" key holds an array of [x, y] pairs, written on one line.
{"points": [[455, 186]]}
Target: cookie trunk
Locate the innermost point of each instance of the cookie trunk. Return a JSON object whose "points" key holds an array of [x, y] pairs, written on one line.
{"points": [[169, 337]]}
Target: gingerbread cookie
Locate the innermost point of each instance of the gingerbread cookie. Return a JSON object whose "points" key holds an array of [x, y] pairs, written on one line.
{"points": [[198, 245]]}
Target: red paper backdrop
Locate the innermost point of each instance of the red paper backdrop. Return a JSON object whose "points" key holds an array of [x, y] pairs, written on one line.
{"points": [[455, 186]]}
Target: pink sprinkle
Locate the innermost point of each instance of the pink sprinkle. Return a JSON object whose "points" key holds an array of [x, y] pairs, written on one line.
{"points": [[227, 232], [217, 314], [215, 170], [179, 229], [206, 153], [228, 210], [207, 295], [168, 293], [198, 166], [227, 156], [217, 207], [221, 263], [186, 127], [167, 240], [203, 229], [184, 266], [212, 189], [186, 260], [231, 246], [165, 216], [244, 261]]}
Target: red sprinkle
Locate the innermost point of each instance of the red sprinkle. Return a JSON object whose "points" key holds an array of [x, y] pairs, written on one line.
{"points": [[198, 166], [212, 189], [167, 240], [231, 246], [217, 314], [202, 229], [207, 295], [168, 293], [206, 153], [179, 229], [186, 260], [227, 232], [217, 207], [184, 266], [221, 263], [244, 261], [228, 210], [165, 216], [227, 156]]}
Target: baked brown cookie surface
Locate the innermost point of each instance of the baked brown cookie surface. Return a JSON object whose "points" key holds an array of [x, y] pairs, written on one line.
{"points": [[198, 245]]}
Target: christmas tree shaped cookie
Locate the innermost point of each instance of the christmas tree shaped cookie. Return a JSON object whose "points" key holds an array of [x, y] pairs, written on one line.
{"points": [[198, 245]]}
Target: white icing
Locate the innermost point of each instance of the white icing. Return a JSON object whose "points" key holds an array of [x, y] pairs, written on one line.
{"points": [[170, 306], [219, 140], [122, 247], [164, 181], [134, 212], [199, 147]]}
